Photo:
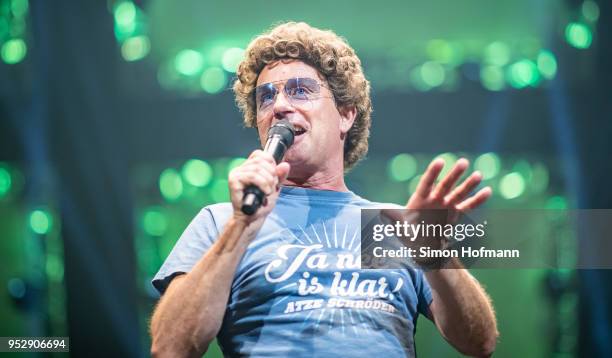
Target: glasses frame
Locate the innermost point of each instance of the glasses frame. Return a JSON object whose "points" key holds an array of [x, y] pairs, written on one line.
{"points": [[290, 98]]}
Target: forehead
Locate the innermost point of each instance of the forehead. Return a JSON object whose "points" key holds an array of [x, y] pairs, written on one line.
{"points": [[282, 70]]}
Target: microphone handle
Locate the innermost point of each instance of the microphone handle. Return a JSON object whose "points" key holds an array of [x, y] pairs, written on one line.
{"points": [[253, 196]]}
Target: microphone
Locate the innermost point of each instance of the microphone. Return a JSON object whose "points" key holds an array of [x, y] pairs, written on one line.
{"points": [[280, 138]]}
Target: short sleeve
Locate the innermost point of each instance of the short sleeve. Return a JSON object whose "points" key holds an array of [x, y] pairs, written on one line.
{"points": [[424, 296], [195, 241]]}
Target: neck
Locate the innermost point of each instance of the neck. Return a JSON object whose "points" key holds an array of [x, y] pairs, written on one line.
{"points": [[318, 180]]}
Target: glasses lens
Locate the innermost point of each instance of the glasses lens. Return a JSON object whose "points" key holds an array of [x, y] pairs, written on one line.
{"points": [[264, 95], [302, 89]]}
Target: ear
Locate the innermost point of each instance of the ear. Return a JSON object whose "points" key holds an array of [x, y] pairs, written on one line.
{"points": [[347, 118]]}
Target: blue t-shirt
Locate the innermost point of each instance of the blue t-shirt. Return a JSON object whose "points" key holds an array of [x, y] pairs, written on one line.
{"points": [[298, 290]]}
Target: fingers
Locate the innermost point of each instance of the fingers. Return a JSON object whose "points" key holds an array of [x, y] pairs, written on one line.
{"points": [[259, 170], [429, 178], [446, 184], [282, 172], [475, 201], [464, 189]]}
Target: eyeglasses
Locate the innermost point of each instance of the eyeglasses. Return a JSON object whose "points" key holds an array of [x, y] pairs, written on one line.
{"points": [[300, 91]]}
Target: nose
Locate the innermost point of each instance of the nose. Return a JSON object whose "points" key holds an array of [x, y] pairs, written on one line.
{"points": [[282, 105]]}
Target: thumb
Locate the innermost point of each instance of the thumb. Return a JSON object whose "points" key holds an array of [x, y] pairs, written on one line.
{"points": [[282, 170]]}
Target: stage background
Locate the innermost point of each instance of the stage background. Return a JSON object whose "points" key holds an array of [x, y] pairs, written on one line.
{"points": [[117, 125]]}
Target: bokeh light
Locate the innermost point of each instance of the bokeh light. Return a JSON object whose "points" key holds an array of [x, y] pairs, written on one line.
{"points": [[13, 51], [197, 172], [170, 184], [488, 165], [5, 181], [547, 64], [135, 48], [432, 73], [19, 8], [219, 191], [231, 58], [189, 62], [154, 222], [590, 10], [402, 167], [213, 80], [523, 73], [512, 185], [40, 221], [497, 54], [578, 35], [492, 78]]}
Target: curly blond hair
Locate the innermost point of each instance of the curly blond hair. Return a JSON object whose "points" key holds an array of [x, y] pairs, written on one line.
{"points": [[335, 60]]}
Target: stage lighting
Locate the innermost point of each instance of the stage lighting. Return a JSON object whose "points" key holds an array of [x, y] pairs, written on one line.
{"points": [[492, 78], [523, 73], [19, 8], [432, 73], [54, 267], [497, 53], [235, 163], [590, 10], [488, 165], [539, 178], [547, 64], [40, 221], [189, 62], [578, 35], [512, 185], [556, 203], [402, 167], [197, 172], [125, 13], [5, 181], [213, 80], [170, 184], [135, 48], [13, 51], [154, 222], [231, 58]]}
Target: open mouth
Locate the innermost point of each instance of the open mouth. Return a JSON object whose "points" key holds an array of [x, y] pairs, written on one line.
{"points": [[299, 131]]}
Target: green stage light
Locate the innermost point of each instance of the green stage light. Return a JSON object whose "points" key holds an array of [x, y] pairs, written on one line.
{"points": [[235, 163], [154, 222], [189, 62], [524, 169], [492, 78], [54, 267], [170, 184], [13, 51], [417, 80], [578, 35], [135, 48], [556, 203], [5, 181], [512, 185], [231, 58], [125, 13], [197, 172], [442, 51], [488, 165], [19, 8], [432, 74], [590, 10], [402, 167], [547, 64], [219, 191], [40, 221], [497, 54], [213, 80], [523, 73]]}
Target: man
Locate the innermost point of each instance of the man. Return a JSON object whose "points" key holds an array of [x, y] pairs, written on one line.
{"points": [[286, 280]]}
